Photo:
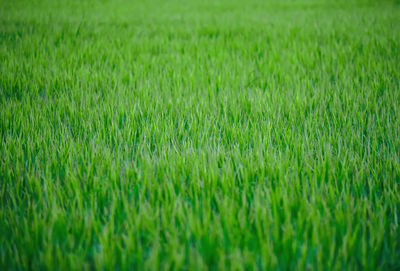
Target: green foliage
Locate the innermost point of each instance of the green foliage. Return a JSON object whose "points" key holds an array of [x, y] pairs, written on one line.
{"points": [[199, 135]]}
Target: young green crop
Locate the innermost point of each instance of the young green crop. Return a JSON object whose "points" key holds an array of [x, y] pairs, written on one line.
{"points": [[199, 135]]}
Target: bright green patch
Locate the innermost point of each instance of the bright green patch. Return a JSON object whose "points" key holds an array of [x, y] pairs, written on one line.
{"points": [[200, 135]]}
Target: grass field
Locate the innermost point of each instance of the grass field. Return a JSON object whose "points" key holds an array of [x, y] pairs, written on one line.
{"points": [[222, 135]]}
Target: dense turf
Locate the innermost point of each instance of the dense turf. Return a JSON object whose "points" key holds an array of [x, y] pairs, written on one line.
{"points": [[199, 134]]}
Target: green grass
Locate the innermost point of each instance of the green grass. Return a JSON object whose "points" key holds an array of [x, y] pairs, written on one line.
{"points": [[200, 135]]}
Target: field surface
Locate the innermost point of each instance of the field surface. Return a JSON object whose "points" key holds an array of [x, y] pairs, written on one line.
{"points": [[222, 135]]}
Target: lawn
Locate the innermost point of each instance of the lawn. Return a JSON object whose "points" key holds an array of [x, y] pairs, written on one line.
{"points": [[200, 135]]}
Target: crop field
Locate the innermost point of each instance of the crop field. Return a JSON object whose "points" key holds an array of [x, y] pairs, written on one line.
{"points": [[200, 135]]}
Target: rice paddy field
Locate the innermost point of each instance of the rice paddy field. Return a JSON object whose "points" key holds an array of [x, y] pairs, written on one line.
{"points": [[200, 135]]}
